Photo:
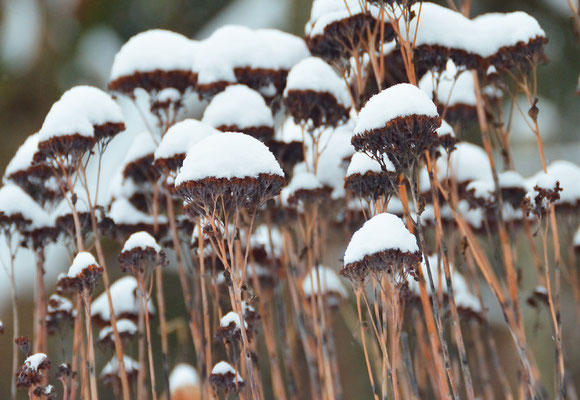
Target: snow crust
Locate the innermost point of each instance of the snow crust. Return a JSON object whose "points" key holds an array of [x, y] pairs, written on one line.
{"points": [[240, 106], [400, 100], [228, 155], [329, 282], [313, 73], [382, 232], [183, 375], [181, 137], [141, 240], [155, 49], [445, 129]]}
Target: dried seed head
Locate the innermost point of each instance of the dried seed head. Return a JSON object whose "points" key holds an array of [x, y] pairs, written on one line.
{"points": [[403, 133], [315, 95], [110, 373], [224, 377], [84, 272], [154, 60], [338, 29], [230, 328], [139, 252], [31, 372], [383, 245], [368, 179], [23, 343], [229, 171]]}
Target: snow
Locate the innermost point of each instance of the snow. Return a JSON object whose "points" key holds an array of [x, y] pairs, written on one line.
{"points": [[467, 301], [123, 326], [546, 181], [468, 162], [222, 368], [228, 155], [511, 179], [143, 145], [62, 120], [325, 12], [383, 232], [445, 129], [23, 158], [313, 73], [34, 361], [361, 163], [239, 106], [333, 161], [576, 240], [473, 216], [329, 282], [233, 46], [183, 375], [97, 106], [125, 300], [141, 240], [14, 201], [122, 212], [568, 174], [112, 367], [63, 304], [483, 36], [155, 49], [82, 261], [181, 137], [482, 189], [231, 317], [400, 100], [302, 180], [261, 238], [452, 88]]}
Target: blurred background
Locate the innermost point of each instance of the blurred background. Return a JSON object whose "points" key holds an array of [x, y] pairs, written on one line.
{"points": [[47, 46]]}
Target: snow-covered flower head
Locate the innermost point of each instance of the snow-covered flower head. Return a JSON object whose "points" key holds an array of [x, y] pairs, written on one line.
{"points": [[154, 60], [224, 377], [84, 272], [233, 167], [316, 95], [337, 27], [240, 109], [139, 251], [383, 245], [401, 122]]}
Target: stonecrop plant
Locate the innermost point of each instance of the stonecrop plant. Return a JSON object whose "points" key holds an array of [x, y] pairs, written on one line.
{"points": [[326, 191]]}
